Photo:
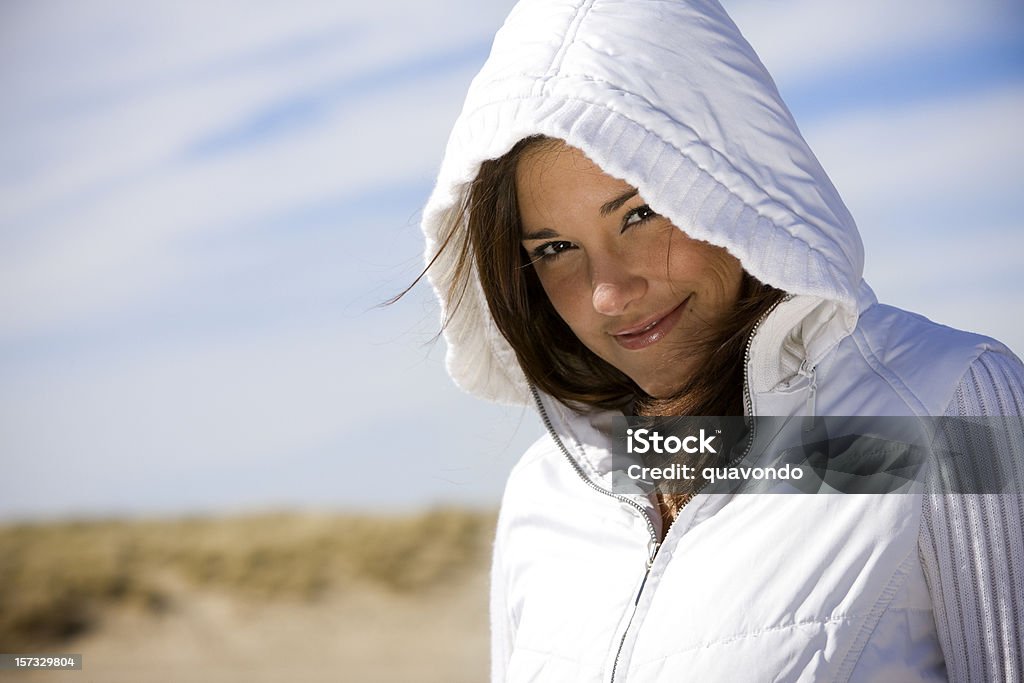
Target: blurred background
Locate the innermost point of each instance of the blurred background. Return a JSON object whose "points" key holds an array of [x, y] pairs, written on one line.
{"points": [[202, 206]]}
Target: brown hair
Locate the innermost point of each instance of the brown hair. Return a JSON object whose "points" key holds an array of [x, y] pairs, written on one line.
{"points": [[550, 354]]}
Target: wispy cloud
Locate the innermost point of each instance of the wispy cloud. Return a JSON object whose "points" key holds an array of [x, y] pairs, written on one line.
{"points": [[806, 40], [930, 153], [301, 110]]}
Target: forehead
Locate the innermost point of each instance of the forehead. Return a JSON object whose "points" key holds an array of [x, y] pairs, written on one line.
{"points": [[555, 180]]}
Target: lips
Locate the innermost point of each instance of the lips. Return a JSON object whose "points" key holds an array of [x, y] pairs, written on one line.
{"points": [[650, 331]]}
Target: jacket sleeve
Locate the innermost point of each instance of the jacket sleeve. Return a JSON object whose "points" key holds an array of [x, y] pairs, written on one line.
{"points": [[972, 544], [502, 629]]}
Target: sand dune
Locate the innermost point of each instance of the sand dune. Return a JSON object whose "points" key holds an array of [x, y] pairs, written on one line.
{"points": [[351, 629]]}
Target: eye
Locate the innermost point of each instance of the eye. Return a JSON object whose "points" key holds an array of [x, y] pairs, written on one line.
{"points": [[637, 216], [550, 250]]}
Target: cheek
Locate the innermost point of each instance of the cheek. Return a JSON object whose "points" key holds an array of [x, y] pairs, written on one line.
{"points": [[724, 270], [569, 295], [731, 272], [714, 268]]}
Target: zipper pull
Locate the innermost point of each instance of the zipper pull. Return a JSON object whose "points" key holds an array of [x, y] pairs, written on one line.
{"points": [[650, 563], [647, 572], [812, 393], [654, 552]]}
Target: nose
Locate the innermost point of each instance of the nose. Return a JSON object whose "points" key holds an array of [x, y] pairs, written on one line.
{"points": [[615, 288]]}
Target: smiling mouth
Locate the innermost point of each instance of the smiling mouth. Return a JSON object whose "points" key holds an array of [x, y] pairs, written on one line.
{"points": [[650, 332]]}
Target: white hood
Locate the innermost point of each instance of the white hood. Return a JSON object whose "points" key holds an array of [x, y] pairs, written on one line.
{"points": [[668, 96]]}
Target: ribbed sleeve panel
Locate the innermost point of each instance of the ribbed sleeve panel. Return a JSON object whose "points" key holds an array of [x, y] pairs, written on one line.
{"points": [[972, 544]]}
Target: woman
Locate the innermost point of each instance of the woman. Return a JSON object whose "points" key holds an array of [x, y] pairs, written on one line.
{"points": [[627, 221]]}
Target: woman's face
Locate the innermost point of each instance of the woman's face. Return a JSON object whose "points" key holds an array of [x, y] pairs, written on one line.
{"points": [[634, 288]]}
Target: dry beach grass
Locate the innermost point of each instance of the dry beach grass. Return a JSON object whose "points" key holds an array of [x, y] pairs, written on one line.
{"points": [[263, 597]]}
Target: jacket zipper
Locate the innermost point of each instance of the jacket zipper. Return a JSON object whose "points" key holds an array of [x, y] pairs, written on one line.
{"points": [[748, 403], [655, 543], [586, 480]]}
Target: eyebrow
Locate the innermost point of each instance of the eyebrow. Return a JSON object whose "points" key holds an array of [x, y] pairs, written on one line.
{"points": [[615, 204], [545, 234], [606, 208]]}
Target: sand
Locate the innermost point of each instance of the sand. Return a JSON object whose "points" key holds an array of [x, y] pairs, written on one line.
{"points": [[368, 634]]}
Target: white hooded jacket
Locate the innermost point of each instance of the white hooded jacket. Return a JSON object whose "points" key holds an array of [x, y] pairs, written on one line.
{"points": [[669, 97]]}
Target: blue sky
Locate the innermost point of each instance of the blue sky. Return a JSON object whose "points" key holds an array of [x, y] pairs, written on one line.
{"points": [[200, 206]]}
